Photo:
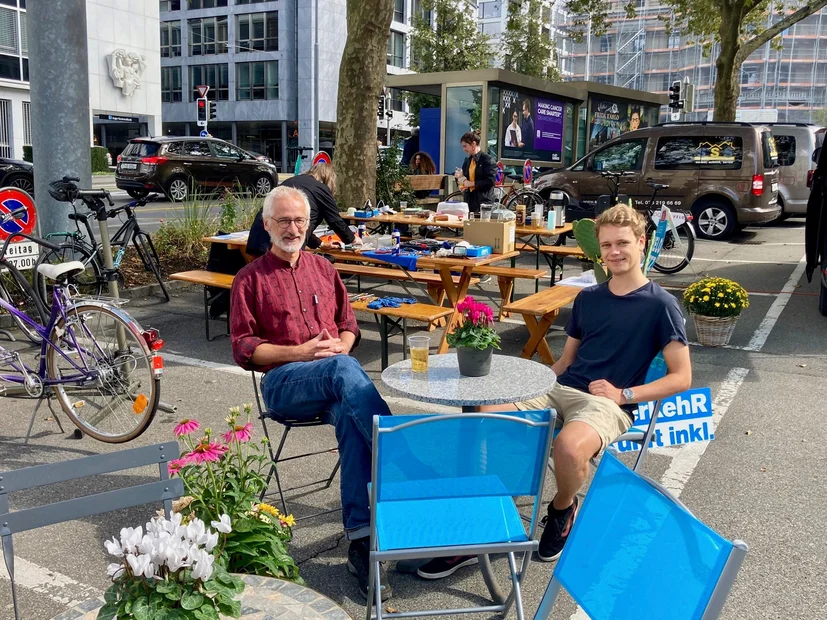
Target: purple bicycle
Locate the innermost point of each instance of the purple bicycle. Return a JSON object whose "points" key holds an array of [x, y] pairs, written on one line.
{"points": [[104, 370]]}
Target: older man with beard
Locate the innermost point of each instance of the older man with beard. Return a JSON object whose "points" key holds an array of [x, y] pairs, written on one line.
{"points": [[291, 319]]}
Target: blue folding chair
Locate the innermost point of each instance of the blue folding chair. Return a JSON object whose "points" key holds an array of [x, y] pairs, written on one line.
{"points": [[635, 551], [444, 485]]}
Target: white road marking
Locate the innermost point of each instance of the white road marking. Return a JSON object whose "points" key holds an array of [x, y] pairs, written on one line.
{"points": [[759, 338], [58, 587], [744, 262], [687, 457]]}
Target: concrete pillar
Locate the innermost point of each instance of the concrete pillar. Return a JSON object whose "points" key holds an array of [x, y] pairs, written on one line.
{"points": [[59, 71]]}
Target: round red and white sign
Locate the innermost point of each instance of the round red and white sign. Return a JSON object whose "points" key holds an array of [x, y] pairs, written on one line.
{"points": [[321, 158], [12, 199]]}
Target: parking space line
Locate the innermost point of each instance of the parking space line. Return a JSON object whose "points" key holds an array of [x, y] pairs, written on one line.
{"points": [[759, 338], [58, 587]]}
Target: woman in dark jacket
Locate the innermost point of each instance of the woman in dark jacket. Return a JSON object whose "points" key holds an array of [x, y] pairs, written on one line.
{"points": [[477, 175], [319, 185]]}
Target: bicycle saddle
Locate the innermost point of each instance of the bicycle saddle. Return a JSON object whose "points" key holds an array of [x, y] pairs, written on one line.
{"points": [[657, 186], [57, 272]]}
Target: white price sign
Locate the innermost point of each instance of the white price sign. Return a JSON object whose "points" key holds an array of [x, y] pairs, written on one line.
{"points": [[22, 255]]}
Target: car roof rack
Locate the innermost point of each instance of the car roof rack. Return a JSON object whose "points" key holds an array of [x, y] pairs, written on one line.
{"points": [[738, 123], [792, 124]]}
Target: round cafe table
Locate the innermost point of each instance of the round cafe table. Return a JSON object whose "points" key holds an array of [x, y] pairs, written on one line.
{"points": [[511, 380]]}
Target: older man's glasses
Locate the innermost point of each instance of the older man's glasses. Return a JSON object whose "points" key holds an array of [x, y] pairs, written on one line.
{"points": [[284, 222]]}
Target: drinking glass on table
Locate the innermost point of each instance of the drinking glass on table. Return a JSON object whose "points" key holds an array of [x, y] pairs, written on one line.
{"points": [[485, 212], [419, 346]]}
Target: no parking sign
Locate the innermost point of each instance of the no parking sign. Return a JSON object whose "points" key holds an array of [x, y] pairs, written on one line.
{"points": [[500, 176], [527, 172], [21, 252], [321, 158]]}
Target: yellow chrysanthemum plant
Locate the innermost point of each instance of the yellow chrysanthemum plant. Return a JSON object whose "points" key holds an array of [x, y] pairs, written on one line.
{"points": [[715, 297]]}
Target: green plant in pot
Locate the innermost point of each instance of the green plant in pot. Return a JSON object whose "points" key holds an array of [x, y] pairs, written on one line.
{"points": [[476, 339], [584, 233]]}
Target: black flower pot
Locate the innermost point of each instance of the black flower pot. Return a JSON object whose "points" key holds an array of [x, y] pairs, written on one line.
{"points": [[474, 362]]}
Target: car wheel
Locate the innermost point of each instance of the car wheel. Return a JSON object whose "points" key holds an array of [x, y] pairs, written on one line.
{"points": [[137, 194], [714, 220], [783, 216], [22, 182], [822, 299], [177, 189], [263, 185]]}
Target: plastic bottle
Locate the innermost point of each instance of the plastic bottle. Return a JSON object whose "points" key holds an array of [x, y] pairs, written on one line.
{"points": [[362, 229], [397, 237]]}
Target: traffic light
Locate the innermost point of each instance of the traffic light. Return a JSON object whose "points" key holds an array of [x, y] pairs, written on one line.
{"points": [[201, 107], [675, 101], [213, 112], [381, 112]]}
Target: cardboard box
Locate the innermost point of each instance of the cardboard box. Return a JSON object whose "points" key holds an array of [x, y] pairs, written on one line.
{"points": [[499, 235]]}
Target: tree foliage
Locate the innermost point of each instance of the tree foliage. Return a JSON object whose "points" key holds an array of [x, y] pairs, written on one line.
{"points": [[528, 49], [739, 27], [448, 41]]}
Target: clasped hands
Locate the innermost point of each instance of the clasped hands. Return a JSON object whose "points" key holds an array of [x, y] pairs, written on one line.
{"points": [[323, 345]]}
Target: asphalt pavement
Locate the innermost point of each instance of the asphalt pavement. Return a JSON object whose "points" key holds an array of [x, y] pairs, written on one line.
{"points": [[762, 479]]}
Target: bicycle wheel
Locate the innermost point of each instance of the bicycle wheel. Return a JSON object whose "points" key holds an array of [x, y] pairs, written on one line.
{"points": [[120, 400], [89, 283], [456, 196], [16, 290], [674, 257], [149, 257]]}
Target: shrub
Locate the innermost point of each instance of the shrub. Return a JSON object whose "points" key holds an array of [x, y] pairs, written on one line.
{"points": [[392, 184], [99, 161], [716, 297], [27, 154]]}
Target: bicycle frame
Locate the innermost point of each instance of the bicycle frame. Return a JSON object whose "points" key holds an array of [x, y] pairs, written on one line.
{"points": [[120, 239]]}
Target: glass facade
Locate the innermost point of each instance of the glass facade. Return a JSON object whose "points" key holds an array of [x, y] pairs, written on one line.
{"points": [[463, 113]]}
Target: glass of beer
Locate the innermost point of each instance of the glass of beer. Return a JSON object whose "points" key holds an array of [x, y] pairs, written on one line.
{"points": [[419, 352]]}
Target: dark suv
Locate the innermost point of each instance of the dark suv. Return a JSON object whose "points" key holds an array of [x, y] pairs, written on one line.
{"points": [[177, 166], [725, 173]]}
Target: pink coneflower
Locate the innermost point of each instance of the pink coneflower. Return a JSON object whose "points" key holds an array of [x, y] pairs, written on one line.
{"points": [[173, 467], [185, 427], [206, 453], [239, 433]]}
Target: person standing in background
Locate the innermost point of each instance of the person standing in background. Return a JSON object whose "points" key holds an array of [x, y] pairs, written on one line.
{"points": [[527, 127], [411, 147], [476, 178]]}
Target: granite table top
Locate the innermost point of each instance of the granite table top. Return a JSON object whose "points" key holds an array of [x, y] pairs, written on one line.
{"points": [[263, 599], [511, 380]]}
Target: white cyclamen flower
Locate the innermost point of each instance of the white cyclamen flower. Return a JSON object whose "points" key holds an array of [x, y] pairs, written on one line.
{"points": [[113, 569], [195, 529], [177, 559], [114, 547], [148, 544], [131, 537], [202, 569], [141, 565], [223, 525], [211, 540]]}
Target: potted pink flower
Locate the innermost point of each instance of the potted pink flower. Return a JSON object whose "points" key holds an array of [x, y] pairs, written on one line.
{"points": [[476, 339]]}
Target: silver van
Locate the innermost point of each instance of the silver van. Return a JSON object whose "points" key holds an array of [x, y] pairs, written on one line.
{"points": [[795, 143]]}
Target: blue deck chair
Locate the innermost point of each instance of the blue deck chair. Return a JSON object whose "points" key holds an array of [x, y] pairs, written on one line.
{"points": [[635, 551], [444, 485]]}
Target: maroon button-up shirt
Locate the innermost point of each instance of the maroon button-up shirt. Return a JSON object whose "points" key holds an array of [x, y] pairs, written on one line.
{"points": [[274, 303]]}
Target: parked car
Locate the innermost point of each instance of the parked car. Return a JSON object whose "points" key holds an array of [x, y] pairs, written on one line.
{"points": [[726, 174], [16, 173], [796, 143], [179, 165], [815, 234]]}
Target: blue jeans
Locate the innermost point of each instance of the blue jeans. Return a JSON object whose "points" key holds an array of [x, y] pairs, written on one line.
{"points": [[339, 388]]}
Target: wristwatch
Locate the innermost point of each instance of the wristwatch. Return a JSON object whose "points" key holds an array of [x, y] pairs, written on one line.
{"points": [[628, 395]]}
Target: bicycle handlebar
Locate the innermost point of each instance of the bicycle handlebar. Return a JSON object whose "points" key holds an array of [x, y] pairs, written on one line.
{"points": [[95, 193]]}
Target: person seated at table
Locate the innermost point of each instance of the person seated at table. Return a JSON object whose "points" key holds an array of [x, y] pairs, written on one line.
{"points": [[291, 319], [614, 332], [319, 185]]}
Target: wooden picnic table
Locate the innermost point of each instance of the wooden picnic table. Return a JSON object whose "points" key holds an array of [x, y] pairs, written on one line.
{"points": [[455, 292]]}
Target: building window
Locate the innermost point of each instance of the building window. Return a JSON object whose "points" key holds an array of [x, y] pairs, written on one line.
{"points": [[396, 50], [257, 32], [170, 39], [8, 31], [399, 11], [170, 5], [206, 4], [491, 28], [605, 43], [5, 128], [257, 80], [422, 12], [27, 123], [674, 41], [208, 35], [9, 67], [396, 100], [214, 76], [250, 1], [490, 9], [171, 84]]}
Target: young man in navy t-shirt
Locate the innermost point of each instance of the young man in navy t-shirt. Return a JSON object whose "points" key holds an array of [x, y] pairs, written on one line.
{"points": [[614, 332]]}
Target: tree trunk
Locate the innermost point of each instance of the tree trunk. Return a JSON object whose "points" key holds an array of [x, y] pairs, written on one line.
{"points": [[728, 82], [361, 77]]}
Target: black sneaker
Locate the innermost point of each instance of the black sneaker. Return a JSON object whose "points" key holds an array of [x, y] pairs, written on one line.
{"points": [[558, 526], [439, 568], [358, 564]]}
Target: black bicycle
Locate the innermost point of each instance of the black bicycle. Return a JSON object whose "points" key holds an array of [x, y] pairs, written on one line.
{"points": [[75, 245], [675, 254]]}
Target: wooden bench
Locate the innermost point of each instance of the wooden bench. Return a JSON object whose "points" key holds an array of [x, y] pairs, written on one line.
{"points": [[428, 182], [554, 255], [206, 279], [505, 281], [539, 311], [393, 321]]}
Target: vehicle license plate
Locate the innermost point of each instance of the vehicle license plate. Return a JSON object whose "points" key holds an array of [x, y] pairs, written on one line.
{"points": [[775, 187], [129, 166]]}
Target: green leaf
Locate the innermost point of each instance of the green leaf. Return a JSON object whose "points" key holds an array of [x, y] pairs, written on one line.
{"points": [[231, 607], [141, 609], [108, 612], [192, 600], [206, 612], [111, 594]]}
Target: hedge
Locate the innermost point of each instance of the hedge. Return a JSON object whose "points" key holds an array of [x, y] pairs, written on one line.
{"points": [[99, 161]]}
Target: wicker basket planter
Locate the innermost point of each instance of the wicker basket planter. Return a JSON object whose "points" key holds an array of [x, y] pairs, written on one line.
{"points": [[714, 331]]}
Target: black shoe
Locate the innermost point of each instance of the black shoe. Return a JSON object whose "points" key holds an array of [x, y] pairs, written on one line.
{"points": [[439, 568], [556, 532], [358, 564]]}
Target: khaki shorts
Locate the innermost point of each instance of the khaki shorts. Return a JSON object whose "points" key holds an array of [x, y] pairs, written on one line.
{"points": [[602, 414]]}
